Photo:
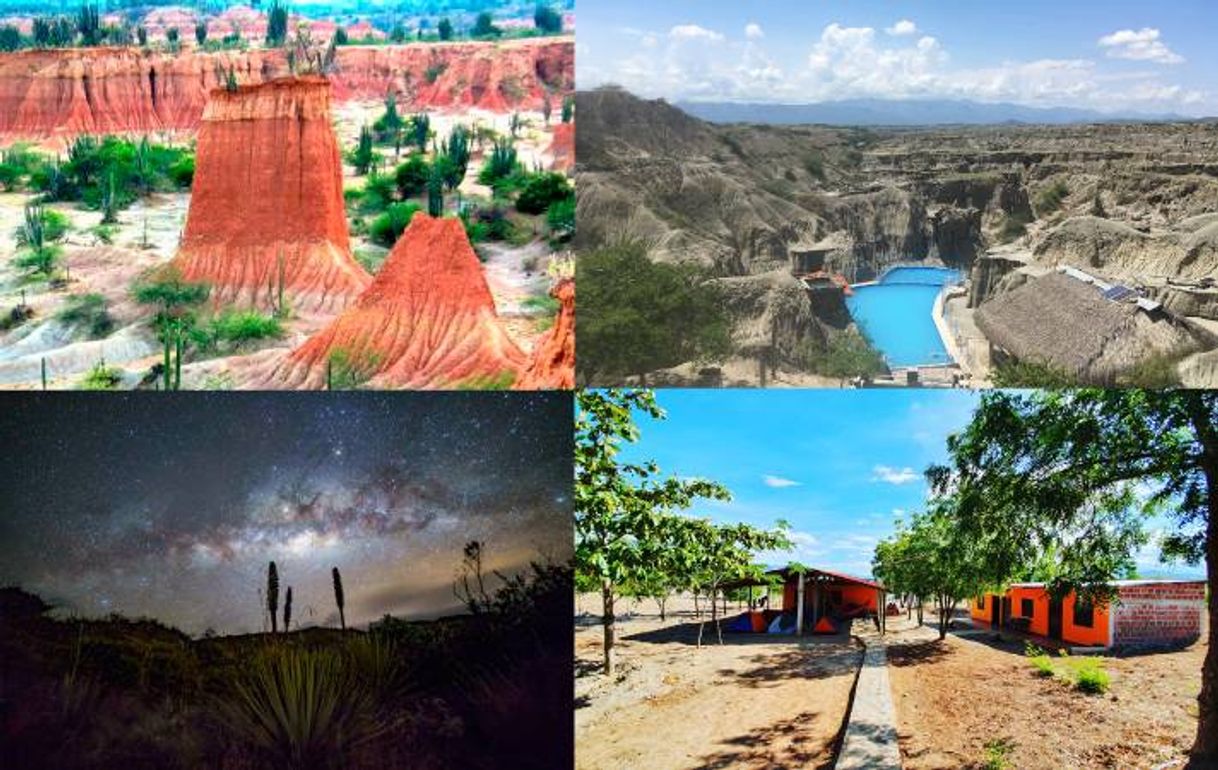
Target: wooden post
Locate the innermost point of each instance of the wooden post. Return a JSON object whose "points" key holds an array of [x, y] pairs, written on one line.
{"points": [[815, 603], [799, 606]]}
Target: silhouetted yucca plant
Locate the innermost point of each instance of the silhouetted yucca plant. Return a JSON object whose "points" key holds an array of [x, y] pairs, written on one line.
{"points": [[300, 709]]}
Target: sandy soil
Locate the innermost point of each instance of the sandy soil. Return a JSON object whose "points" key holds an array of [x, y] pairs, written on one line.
{"points": [[755, 702], [955, 696]]}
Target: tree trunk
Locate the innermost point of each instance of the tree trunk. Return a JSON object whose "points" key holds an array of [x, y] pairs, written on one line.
{"points": [[609, 624], [1205, 747], [662, 601], [714, 603]]}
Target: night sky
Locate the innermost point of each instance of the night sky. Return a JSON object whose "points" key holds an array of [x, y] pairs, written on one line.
{"points": [[170, 505]]}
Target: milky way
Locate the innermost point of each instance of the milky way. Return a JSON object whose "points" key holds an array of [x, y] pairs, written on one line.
{"points": [[172, 506]]}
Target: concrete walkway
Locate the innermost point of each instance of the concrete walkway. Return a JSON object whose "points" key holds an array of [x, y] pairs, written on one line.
{"points": [[871, 733]]}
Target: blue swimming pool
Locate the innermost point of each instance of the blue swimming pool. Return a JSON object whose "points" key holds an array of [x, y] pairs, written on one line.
{"points": [[895, 314]]}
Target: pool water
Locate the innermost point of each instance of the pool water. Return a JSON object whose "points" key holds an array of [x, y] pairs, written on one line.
{"points": [[895, 314]]}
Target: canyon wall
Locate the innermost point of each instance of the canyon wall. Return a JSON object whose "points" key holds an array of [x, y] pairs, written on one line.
{"points": [[552, 364], [62, 93], [266, 209], [427, 321]]}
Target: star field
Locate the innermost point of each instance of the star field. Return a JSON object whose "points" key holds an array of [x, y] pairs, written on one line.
{"points": [[171, 506]]}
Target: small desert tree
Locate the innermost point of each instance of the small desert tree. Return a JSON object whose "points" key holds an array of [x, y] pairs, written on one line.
{"points": [[623, 510], [272, 596], [201, 33], [721, 553], [1078, 470], [338, 597], [445, 29], [277, 24]]}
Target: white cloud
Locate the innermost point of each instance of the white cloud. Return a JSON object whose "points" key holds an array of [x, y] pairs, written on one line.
{"points": [[1139, 45], [890, 475], [779, 482], [694, 32], [693, 62], [902, 28]]}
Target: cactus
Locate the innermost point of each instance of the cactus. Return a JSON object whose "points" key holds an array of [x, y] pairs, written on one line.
{"points": [[338, 596], [435, 191], [287, 610], [109, 201], [272, 596], [44, 373]]}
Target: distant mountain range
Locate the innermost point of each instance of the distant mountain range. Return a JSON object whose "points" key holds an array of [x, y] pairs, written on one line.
{"points": [[925, 112]]}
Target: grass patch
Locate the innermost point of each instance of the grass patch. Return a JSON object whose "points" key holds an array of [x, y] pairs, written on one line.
{"points": [[101, 377], [371, 257], [1050, 199], [501, 381], [998, 754], [1014, 227], [88, 312], [1085, 674]]}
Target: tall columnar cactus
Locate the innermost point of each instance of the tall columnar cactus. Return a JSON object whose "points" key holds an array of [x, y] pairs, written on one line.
{"points": [[435, 191], [44, 373], [272, 596], [338, 597], [287, 611]]}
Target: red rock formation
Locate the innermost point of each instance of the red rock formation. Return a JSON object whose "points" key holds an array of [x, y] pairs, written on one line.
{"points": [[118, 90], [427, 321], [552, 365], [562, 147], [268, 197]]}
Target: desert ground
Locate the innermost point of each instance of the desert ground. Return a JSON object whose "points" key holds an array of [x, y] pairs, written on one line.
{"points": [[753, 702], [957, 698], [776, 701]]}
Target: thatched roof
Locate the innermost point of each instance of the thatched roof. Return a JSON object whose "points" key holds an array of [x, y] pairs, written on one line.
{"points": [[1065, 323]]}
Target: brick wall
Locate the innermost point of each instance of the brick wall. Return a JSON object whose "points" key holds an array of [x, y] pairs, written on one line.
{"points": [[1159, 614]]}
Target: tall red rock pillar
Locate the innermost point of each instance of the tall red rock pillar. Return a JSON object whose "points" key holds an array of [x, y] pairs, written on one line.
{"points": [[266, 208]]}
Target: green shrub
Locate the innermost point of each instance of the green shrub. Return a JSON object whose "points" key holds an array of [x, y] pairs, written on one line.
{"points": [[501, 381], [1014, 226], [560, 218], [1050, 199], [89, 312], [1090, 677], [500, 164], [239, 326], [101, 377], [378, 193], [389, 226], [346, 371], [540, 190], [411, 176], [998, 754]]}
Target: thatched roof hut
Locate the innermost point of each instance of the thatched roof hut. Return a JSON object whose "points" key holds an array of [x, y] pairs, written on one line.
{"points": [[1060, 321]]}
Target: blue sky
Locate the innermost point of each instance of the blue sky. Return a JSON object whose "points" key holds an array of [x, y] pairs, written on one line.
{"points": [[1117, 55], [842, 466]]}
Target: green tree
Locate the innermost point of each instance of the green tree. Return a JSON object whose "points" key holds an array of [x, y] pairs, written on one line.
{"points": [[172, 37], [484, 26], [1078, 471], [720, 553], [88, 24], [338, 597], [363, 156], [420, 130], [624, 511], [568, 109], [411, 176], [435, 191], [547, 19], [445, 28], [277, 24], [201, 32], [341, 37], [10, 38], [930, 559], [272, 596], [637, 316]]}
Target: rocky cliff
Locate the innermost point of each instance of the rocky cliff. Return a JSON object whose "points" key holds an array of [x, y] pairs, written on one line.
{"points": [[427, 321], [552, 364], [266, 209], [61, 93]]}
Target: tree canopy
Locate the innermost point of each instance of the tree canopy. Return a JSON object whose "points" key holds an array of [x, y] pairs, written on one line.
{"points": [[637, 316]]}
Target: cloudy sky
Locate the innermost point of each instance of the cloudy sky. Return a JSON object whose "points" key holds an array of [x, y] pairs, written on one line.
{"points": [[172, 507], [842, 466], [1115, 55]]}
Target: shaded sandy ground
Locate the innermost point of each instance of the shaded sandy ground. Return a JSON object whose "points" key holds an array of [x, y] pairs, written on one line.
{"points": [[953, 697], [755, 702]]}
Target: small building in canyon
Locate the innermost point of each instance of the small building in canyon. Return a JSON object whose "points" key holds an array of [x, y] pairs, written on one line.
{"points": [[1144, 613]]}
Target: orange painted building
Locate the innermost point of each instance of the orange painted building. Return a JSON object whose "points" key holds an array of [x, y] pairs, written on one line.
{"points": [[1143, 613]]}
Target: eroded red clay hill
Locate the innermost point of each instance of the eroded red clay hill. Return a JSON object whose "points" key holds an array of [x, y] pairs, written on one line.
{"points": [[552, 365], [267, 200], [427, 321], [61, 93]]}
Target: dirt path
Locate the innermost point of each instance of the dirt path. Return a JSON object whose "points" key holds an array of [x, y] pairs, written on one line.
{"points": [[757, 701], [956, 696]]}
